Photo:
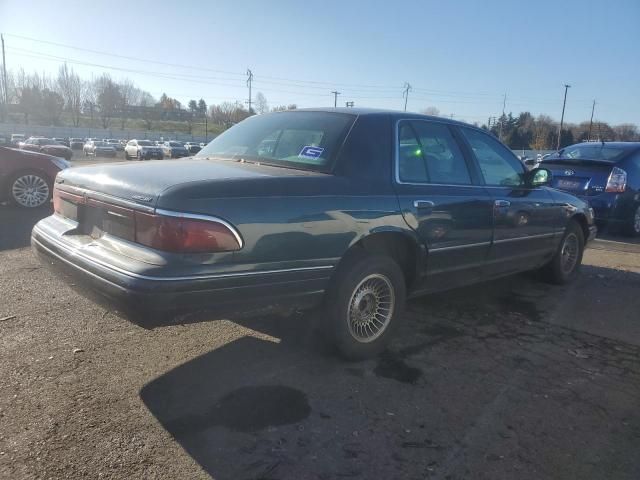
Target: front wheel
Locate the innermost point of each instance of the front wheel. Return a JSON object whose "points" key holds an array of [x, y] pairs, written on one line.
{"points": [[565, 264], [364, 304]]}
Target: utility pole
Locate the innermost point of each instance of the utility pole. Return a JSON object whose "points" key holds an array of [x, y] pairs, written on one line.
{"points": [[564, 104], [504, 105], [335, 98], [206, 129], [593, 107], [5, 86], [405, 94], [249, 80]]}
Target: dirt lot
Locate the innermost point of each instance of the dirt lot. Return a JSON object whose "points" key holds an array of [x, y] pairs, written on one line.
{"points": [[504, 380]]}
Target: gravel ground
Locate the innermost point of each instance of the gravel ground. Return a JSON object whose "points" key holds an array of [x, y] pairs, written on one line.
{"points": [[507, 379]]}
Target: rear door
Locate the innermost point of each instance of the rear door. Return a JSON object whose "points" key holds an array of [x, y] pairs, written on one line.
{"points": [[441, 199], [526, 219]]}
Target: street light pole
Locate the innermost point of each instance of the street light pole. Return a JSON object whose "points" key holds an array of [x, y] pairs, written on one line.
{"points": [[564, 104]]}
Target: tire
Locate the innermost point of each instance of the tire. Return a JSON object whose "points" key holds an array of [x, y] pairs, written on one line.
{"points": [[30, 189], [360, 286], [632, 227], [139, 156], [565, 264], [126, 156]]}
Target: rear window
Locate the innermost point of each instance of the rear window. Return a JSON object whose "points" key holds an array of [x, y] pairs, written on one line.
{"points": [[596, 151], [144, 143], [305, 140]]}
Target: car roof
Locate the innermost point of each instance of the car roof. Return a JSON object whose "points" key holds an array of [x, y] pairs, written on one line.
{"points": [[396, 114]]}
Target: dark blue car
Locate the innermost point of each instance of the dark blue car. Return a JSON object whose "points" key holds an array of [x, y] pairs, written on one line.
{"points": [[607, 175]]}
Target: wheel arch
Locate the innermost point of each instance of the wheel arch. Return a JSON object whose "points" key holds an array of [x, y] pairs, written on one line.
{"points": [[402, 245], [581, 219]]}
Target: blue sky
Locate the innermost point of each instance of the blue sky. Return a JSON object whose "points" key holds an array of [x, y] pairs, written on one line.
{"points": [[459, 56]]}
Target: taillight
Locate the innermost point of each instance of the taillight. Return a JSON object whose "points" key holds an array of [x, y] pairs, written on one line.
{"points": [[184, 234], [617, 181], [59, 195]]}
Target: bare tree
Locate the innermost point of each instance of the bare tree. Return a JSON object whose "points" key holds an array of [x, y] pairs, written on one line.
{"points": [[127, 97], [89, 98], [108, 98], [70, 88], [147, 109], [261, 103]]}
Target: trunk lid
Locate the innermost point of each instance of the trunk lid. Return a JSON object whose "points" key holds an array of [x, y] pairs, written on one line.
{"points": [[579, 177], [144, 182], [109, 198]]}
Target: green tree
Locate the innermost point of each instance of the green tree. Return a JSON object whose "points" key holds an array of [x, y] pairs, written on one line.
{"points": [[202, 107]]}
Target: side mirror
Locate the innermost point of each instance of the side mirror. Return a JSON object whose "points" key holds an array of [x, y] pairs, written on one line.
{"points": [[539, 177], [530, 162]]}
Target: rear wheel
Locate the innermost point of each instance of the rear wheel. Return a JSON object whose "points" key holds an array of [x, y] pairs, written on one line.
{"points": [[364, 304], [632, 228], [565, 264], [29, 189], [139, 156]]}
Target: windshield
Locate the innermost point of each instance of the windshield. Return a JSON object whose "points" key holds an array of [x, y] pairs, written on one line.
{"points": [[305, 140], [175, 144], [101, 144], [144, 143], [597, 151]]}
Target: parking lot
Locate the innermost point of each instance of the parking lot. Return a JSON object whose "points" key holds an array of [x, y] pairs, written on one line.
{"points": [[507, 379]]}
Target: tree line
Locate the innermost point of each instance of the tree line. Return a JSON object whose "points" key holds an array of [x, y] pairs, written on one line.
{"points": [[526, 132], [68, 100]]}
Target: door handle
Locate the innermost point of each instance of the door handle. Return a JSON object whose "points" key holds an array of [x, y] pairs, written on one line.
{"points": [[502, 203], [423, 204]]}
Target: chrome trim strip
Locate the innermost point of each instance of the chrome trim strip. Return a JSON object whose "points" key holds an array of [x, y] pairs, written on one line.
{"points": [[77, 252], [104, 197], [458, 247], [527, 237], [208, 218]]}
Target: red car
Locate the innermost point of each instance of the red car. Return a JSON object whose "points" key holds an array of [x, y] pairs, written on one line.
{"points": [[26, 178], [48, 146]]}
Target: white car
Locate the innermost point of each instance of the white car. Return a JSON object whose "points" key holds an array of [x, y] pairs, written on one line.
{"points": [[142, 150]]}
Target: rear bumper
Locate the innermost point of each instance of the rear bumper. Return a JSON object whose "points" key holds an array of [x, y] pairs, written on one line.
{"points": [[613, 208], [138, 293]]}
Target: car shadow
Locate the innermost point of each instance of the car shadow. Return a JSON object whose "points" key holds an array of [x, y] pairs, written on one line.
{"points": [[463, 378], [16, 225]]}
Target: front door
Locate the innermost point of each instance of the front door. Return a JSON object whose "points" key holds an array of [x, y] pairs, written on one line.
{"points": [[525, 218], [441, 199]]}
